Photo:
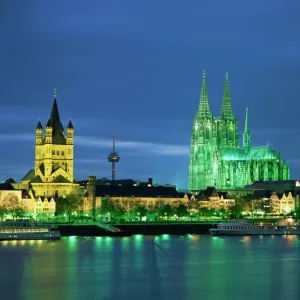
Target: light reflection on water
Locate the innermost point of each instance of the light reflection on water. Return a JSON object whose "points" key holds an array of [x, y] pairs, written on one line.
{"points": [[152, 267]]}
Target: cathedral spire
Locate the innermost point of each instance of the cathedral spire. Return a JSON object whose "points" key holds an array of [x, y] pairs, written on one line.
{"points": [[55, 123], [247, 134], [204, 109], [226, 110], [247, 130]]}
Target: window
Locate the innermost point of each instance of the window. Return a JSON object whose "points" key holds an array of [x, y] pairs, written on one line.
{"points": [[57, 152], [62, 153], [53, 152]]}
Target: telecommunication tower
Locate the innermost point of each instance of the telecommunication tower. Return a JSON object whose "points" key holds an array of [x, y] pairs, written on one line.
{"points": [[113, 158]]}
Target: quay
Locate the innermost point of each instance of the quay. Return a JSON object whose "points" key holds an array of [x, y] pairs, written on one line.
{"points": [[119, 230]]}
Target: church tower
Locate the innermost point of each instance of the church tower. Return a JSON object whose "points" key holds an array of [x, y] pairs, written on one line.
{"points": [[54, 157], [246, 134], [203, 141], [228, 129]]}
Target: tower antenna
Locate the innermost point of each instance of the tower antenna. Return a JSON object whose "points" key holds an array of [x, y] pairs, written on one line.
{"points": [[113, 158]]}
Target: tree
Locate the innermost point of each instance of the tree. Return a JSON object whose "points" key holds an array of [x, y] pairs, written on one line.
{"points": [[141, 211], [3, 211], [193, 204], [222, 212], [12, 205], [236, 210], [297, 213], [203, 212], [248, 208], [68, 204], [107, 206], [182, 211], [166, 210], [112, 207]]}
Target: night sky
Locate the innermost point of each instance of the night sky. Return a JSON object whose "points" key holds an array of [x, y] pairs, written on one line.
{"points": [[135, 67]]}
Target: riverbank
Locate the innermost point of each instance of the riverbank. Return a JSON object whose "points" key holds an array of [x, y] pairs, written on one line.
{"points": [[131, 229], [155, 229]]}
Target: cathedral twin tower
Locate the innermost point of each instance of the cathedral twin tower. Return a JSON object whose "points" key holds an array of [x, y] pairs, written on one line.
{"points": [[216, 158]]}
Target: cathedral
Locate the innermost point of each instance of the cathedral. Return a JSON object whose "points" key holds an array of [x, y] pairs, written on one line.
{"points": [[54, 158], [216, 157]]}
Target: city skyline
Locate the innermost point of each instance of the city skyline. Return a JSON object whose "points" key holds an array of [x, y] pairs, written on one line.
{"points": [[127, 70]]}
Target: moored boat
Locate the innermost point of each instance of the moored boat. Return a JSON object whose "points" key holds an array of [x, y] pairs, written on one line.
{"points": [[25, 230], [283, 227]]}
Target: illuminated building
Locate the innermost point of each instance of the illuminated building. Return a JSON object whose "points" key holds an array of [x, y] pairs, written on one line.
{"points": [[54, 158], [216, 158], [131, 196], [212, 199], [40, 206]]}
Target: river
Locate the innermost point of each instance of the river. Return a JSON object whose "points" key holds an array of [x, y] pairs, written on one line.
{"points": [[148, 267]]}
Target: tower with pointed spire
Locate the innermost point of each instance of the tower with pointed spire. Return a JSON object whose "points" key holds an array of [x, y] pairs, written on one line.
{"points": [[216, 158], [203, 142], [54, 157], [113, 158], [228, 129], [247, 134]]}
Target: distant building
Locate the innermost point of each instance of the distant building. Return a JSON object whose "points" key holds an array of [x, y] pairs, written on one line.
{"points": [[44, 206], [273, 202], [130, 196], [54, 158], [213, 199], [216, 158]]}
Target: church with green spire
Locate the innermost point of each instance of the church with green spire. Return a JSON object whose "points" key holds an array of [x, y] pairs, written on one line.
{"points": [[216, 157]]}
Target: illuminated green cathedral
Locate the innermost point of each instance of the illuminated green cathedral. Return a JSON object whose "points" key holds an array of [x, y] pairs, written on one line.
{"points": [[216, 158]]}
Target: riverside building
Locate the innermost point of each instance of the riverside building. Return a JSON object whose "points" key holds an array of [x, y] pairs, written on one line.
{"points": [[54, 158]]}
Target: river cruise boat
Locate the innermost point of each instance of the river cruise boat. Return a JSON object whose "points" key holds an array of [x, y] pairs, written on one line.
{"points": [[239, 228], [25, 230]]}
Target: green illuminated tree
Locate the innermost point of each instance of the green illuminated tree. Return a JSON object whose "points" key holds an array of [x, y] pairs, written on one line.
{"points": [[112, 207], [3, 211], [107, 206], [181, 211], [166, 211], [141, 211], [68, 205], [236, 210], [203, 212]]}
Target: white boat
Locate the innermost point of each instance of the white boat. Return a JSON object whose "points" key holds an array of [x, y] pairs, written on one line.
{"points": [[284, 227], [25, 230]]}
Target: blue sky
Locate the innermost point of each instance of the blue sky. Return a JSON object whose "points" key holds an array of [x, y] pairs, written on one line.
{"points": [[135, 67]]}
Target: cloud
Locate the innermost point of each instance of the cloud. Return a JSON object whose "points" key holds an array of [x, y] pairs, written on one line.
{"points": [[83, 141], [16, 137], [146, 147], [90, 161]]}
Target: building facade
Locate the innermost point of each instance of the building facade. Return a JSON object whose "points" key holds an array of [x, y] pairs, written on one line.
{"points": [[216, 157], [53, 173], [213, 199], [13, 198], [131, 196]]}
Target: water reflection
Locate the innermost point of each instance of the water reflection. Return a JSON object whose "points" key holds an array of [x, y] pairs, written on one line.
{"points": [[151, 267]]}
